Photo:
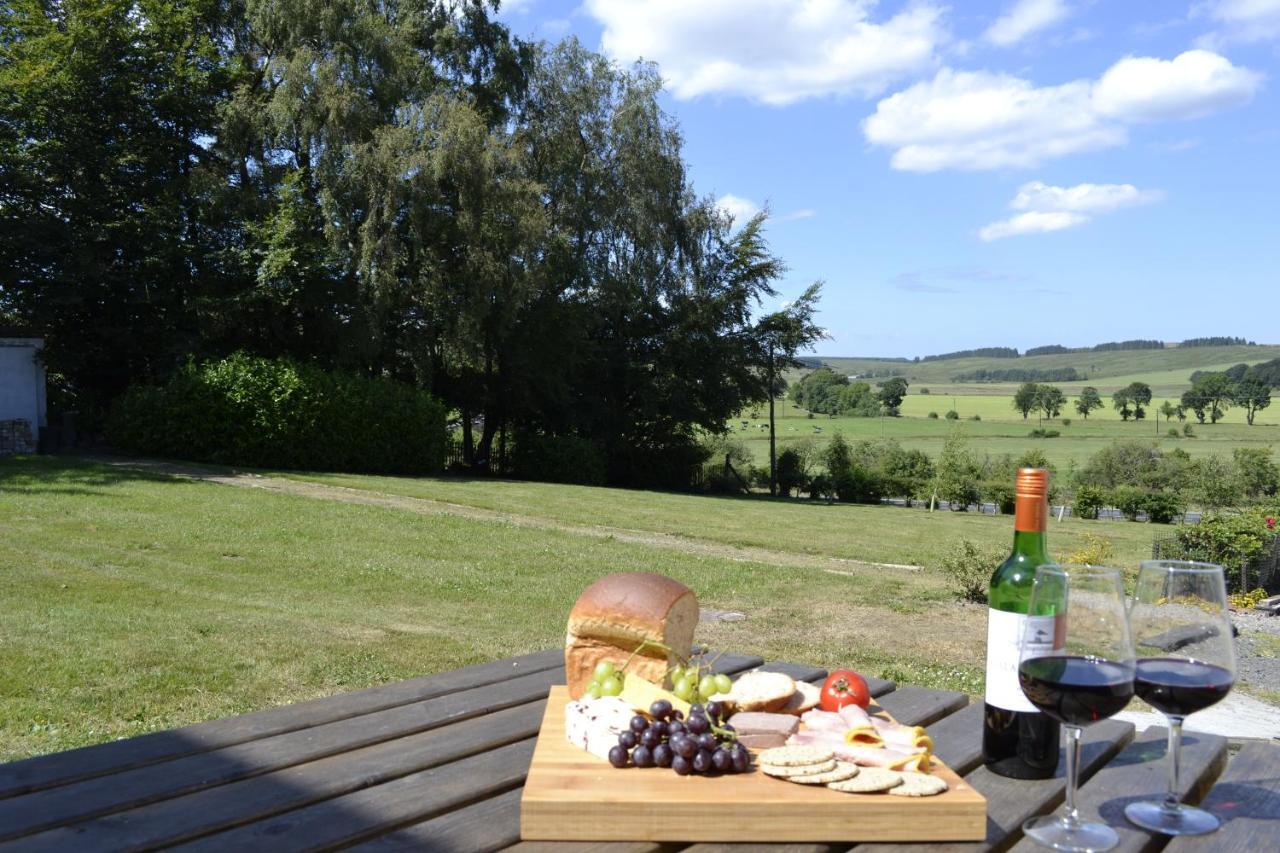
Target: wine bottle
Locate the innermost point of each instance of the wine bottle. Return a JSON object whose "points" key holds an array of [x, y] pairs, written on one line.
{"points": [[1018, 740]]}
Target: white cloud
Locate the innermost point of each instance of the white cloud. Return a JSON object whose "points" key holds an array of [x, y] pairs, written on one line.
{"points": [[773, 51], [1048, 208], [1026, 18], [981, 120], [799, 213], [1239, 21], [740, 209]]}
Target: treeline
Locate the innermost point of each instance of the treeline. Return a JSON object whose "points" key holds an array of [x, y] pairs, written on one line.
{"points": [[826, 392], [1217, 342], [396, 191], [1050, 349], [1137, 343], [1056, 374], [984, 352]]}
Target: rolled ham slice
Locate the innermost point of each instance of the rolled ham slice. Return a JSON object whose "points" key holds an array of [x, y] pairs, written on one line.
{"points": [[866, 756], [898, 736], [854, 717], [824, 721]]}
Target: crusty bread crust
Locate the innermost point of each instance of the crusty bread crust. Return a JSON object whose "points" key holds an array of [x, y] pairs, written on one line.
{"points": [[616, 614], [762, 691], [806, 698]]}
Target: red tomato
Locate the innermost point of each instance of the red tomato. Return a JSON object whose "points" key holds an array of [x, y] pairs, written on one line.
{"points": [[844, 687]]}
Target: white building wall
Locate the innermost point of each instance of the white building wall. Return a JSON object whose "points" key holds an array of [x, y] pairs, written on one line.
{"points": [[22, 387]]}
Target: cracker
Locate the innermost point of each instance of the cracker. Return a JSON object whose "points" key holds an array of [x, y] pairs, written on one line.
{"points": [[919, 785], [868, 781], [797, 770], [843, 770], [794, 756]]}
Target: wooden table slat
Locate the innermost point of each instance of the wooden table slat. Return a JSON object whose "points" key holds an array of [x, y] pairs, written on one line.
{"points": [[919, 706], [595, 847], [1139, 773], [1247, 799], [46, 771], [798, 671], [488, 825], [83, 800], [260, 797], [957, 738], [438, 793], [1011, 801]]}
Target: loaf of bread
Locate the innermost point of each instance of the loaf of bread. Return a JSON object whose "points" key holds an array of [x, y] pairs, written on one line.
{"points": [[617, 614]]}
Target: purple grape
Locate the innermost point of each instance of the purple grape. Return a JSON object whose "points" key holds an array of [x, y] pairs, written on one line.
{"points": [[697, 724], [741, 760], [708, 741], [618, 757], [659, 727], [684, 746], [662, 755], [660, 709], [681, 765], [676, 714], [714, 710], [650, 738], [720, 760], [728, 728], [697, 710], [702, 761], [642, 756], [675, 727], [639, 724], [627, 739]]}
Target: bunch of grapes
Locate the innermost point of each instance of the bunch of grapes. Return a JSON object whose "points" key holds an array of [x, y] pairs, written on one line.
{"points": [[606, 680], [691, 685], [700, 744]]}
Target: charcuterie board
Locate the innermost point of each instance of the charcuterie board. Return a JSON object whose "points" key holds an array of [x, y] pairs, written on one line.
{"points": [[571, 795]]}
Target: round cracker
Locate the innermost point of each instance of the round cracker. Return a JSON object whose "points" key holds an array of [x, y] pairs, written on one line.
{"points": [[868, 781], [919, 785], [787, 772], [794, 756], [843, 770]]}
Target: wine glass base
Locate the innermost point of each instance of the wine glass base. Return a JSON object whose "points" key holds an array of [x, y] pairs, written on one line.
{"points": [[1172, 820], [1051, 831]]}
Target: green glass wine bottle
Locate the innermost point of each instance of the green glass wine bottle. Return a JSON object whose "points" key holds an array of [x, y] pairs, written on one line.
{"points": [[1017, 740]]}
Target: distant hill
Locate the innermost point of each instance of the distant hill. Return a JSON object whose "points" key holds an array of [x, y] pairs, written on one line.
{"points": [[1167, 369]]}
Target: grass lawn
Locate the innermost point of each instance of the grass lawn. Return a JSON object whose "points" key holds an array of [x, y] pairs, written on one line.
{"points": [[135, 602]]}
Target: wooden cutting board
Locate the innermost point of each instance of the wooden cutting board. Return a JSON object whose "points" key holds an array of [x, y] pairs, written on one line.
{"points": [[571, 795]]}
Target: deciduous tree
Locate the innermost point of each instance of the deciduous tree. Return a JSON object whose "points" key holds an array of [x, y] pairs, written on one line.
{"points": [[1088, 400]]}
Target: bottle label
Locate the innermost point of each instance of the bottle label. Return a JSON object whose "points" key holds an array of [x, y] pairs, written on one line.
{"points": [[1004, 633]]}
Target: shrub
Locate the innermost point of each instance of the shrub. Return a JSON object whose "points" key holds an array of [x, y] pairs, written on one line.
{"points": [[858, 486], [1096, 551], [1044, 433], [1247, 600], [791, 472], [565, 459], [276, 413], [968, 570], [1129, 500], [953, 415], [957, 473], [933, 416], [975, 417], [924, 390], [1162, 507], [1227, 538], [1188, 431], [1066, 422], [1001, 494], [821, 488], [1089, 499], [1173, 433]]}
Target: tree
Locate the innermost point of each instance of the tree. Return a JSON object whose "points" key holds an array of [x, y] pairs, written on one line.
{"points": [[1169, 410], [1213, 392], [891, 393], [1024, 399], [1088, 400], [1120, 401], [1258, 475], [779, 337], [1139, 393], [1050, 400], [1253, 395], [1192, 399], [1216, 483], [957, 473]]}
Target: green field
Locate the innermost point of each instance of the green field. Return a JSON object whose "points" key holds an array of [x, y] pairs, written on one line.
{"points": [[135, 601]]}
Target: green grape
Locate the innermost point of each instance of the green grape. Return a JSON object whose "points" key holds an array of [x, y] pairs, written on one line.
{"points": [[611, 686], [604, 669], [675, 674], [707, 687], [723, 683], [593, 690], [684, 689]]}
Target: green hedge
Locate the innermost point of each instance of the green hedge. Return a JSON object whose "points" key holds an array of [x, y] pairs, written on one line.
{"points": [[269, 413]]}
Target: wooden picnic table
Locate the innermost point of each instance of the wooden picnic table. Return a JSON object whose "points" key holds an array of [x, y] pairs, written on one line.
{"points": [[438, 762]]}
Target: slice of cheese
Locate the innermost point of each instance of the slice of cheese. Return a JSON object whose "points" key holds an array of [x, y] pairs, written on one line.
{"points": [[641, 693], [594, 724]]}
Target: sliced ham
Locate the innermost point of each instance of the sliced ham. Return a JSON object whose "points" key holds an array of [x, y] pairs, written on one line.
{"points": [[824, 721], [854, 716], [898, 736]]}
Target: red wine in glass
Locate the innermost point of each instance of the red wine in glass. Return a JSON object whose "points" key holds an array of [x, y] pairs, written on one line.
{"points": [[1180, 686], [1075, 689]]}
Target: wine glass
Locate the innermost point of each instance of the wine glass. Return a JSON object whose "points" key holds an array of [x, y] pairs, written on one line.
{"points": [[1076, 665], [1186, 662]]}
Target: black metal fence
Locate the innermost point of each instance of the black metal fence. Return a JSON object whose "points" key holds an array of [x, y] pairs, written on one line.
{"points": [[1262, 571]]}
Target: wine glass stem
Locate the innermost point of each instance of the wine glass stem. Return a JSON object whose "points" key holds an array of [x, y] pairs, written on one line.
{"points": [[1172, 799], [1072, 816]]}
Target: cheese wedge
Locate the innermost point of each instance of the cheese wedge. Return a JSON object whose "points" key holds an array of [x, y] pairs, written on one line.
{"points": [[640, 694]]}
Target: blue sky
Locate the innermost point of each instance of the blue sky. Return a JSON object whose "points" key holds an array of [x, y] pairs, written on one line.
{"points": [[1009, 173]]}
